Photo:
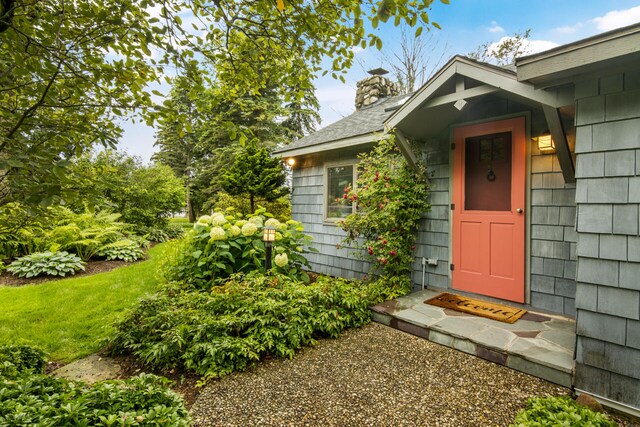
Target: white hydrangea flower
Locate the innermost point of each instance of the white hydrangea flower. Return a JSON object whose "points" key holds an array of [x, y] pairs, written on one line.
{"points": [[281, 260], [217, 233], [272, 222], [235, 230], [256, 220], [249, 229], [218, 219], [205, 219]]}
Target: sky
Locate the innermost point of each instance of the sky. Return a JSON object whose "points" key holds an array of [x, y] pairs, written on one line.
{"points": [[466, 24]]}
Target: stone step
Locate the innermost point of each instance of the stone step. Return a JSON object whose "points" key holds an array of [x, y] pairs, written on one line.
{"points": [[538, 345]]}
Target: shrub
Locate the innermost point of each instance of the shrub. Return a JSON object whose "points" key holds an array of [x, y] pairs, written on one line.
{"points": [[169, 232], [250, 316], [84, 234], [390, 199], [279, 208], [126, 250], [559, 411], [19, 229], [23, 232], [220, 245], [45, 401], [174, 231], [48, 263]]}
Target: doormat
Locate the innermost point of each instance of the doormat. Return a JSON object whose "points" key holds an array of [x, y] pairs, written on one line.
{"points": [[499, 312]]}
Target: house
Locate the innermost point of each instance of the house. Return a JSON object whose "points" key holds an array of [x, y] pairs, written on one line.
{"points": [[514, 217]]}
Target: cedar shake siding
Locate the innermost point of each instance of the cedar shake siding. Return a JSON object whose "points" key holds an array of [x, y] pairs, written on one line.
{"points": [[608, 199]]}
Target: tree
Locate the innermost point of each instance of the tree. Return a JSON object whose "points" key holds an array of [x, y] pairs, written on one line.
{"points": [[201, 147], [417, 58], [503, 52], [256, 174], [67, 71], [144, 195], [70, 70]]}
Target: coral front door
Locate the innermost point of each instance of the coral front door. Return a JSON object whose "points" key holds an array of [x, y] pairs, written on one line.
{"points": [[488, 211]]}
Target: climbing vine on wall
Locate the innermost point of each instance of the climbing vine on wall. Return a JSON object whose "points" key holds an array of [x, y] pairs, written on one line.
{"points": [[390, 197]]}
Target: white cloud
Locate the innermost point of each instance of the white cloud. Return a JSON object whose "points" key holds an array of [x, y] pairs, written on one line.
{"points": [[495, 28], [617, 18], [568, 29], [535, 46], [529, 47]]}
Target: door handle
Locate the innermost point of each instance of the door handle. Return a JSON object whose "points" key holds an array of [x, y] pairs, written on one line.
{"points": [[519, 210]]}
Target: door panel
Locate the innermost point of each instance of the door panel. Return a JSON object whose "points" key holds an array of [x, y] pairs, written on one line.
{"points": [[488, 191]]}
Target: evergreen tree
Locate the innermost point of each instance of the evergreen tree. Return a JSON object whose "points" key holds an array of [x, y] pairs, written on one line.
{"points": [[255, 174]]}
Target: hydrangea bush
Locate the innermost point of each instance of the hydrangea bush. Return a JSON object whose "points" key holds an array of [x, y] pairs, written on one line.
{"points": [[390, 198], [226, 242]]}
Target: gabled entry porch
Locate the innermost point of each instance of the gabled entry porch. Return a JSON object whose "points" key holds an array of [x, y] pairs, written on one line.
{"points": [[538, 344]]}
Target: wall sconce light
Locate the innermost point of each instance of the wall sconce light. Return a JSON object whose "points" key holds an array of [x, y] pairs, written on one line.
{"points": [[268, 237], [545, 142], [291, 161]]}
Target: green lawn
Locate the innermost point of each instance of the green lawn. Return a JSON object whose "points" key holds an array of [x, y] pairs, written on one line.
{"points": [[68, 318]]}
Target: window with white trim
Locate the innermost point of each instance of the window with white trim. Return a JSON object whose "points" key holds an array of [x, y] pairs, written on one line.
{"points": [[337, 178]]}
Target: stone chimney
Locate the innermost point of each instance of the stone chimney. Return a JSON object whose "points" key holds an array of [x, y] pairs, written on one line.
{"points": [[373, 88]]}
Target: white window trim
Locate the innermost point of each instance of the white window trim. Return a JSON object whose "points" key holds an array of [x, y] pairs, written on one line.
{"points": [[327, 165]]}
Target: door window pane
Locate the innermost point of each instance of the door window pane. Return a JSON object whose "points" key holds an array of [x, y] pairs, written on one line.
{"points": [[487, 172]]}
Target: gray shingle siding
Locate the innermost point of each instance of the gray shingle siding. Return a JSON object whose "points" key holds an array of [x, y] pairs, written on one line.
{"points": [[433, 236], [307, 206], [553, 236], [608, 269]]}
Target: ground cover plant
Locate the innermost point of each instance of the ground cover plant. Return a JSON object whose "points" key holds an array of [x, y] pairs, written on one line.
{"points": [[27, 397], [227, 328], [226, 243], [559, 411], [69, 317]]}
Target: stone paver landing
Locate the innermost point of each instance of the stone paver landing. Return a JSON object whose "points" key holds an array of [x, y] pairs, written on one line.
{"points": [[537, 344]]}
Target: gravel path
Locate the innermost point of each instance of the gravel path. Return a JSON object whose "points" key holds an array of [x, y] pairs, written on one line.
{"points": [[373, 376]]}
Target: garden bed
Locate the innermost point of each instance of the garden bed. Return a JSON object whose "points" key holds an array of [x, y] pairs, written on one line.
{"points": [[92, 267]]}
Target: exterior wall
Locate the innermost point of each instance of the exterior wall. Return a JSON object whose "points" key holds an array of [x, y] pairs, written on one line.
{"points": [[552, 216], [432, 240], [553, 234], [307, 206], [608, 271]]}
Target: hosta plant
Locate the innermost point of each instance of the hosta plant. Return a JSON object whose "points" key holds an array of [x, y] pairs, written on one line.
{"points": [[126, 250], [226, 243], [46, 263]]}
